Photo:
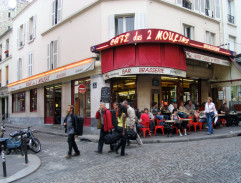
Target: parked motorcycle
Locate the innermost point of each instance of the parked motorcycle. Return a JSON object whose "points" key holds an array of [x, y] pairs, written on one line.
{"points": [[14, 143]]}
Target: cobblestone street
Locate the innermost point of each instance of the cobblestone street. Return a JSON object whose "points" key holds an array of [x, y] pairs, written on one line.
{"points": [[216, 160]]}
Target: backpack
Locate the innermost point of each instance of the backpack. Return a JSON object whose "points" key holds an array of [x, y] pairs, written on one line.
{"points": [[114, 118], [80, 124]]}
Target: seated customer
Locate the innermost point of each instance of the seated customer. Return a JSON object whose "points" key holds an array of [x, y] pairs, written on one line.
{"points": [[163, 110], [225, 110], [154, 108], [152, 121], [184, 112], [179, 123], [160, 117], [144, 118], [190, 107]]}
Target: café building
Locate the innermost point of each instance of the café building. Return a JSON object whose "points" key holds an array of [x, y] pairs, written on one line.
{"points": [[154, 65]]}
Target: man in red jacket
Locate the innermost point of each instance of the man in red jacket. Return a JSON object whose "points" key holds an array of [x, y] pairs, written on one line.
{"points": [[105, 119]]}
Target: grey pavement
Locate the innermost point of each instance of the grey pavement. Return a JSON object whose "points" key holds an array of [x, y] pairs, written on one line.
{"points": [[16, 167]]}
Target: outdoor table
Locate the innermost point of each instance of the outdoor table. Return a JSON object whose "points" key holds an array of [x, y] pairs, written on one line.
{"points": [[233, 114], [186, 119], [169, 121], [221, 115]]}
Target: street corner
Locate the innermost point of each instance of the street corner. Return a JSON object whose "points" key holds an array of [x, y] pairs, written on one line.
{"points": [[17, 169]]}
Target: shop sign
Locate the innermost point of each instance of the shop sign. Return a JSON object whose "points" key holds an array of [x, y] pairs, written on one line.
{"points": [[105, 94], [157, 36], [144, 70], [155, 81], [47, 77], [206, 58], [94, 85], [82, 88]]}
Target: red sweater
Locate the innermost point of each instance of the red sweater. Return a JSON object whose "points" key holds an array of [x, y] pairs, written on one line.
{"points": [[107, 119]]}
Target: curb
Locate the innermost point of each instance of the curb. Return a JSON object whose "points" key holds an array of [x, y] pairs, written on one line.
{"points": [[34, 164]]}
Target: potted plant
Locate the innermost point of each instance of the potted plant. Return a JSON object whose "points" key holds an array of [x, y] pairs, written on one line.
{"points": [[6, 53]]}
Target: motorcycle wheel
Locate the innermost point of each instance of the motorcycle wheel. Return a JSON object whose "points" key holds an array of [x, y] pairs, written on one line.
{"points": [[35, 147], [8, 151]]}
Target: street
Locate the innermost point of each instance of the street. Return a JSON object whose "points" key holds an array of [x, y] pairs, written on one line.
{"points": [[206, 161]]}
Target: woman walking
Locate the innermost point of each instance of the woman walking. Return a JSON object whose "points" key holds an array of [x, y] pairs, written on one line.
{"points": [[210, 111], [121, 128]]}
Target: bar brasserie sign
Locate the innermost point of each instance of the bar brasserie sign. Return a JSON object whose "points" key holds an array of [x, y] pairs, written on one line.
{"points": [[144, 70]]}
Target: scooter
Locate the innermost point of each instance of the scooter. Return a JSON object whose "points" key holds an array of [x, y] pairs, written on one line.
{"points": [[15, 143]]}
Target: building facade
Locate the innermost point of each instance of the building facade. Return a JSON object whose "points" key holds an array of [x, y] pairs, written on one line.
{"points": [[55, 63]]}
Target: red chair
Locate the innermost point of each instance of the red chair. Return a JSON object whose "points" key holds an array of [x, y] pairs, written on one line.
{"points": [[173, 126], [159, 126], [222, 120], [146, 128], [194, 124], [200, 124], [189, 127]]}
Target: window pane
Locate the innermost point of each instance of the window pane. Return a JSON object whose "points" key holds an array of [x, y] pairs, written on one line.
{"points": [[19, 102], [129, 24], [119, 25]]}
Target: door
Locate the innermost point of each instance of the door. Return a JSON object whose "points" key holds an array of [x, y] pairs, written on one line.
{"points": [[156, 97], [81, 100], [53, 104]]}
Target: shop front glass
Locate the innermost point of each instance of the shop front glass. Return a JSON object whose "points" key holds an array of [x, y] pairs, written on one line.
{"points": [[124, 89], [179, 89], [82, 100]]}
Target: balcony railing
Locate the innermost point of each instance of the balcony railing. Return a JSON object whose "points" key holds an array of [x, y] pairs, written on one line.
{"points": [[187, 4], [231, 19]]}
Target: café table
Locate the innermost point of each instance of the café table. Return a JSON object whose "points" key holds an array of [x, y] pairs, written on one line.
{"points": [[221, 115]]}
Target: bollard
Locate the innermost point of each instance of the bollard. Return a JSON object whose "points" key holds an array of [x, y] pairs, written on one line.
{"points": [[25, 151], [3, 161], [22, 144]]}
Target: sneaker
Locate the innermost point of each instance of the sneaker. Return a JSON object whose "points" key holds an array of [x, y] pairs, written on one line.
{"points": [[180, 134], [76, 154], [99, 152], [185, 134], [68, 156]]}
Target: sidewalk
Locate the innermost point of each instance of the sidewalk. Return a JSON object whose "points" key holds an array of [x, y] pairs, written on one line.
{"points": [[17, 169], [222, 132]]}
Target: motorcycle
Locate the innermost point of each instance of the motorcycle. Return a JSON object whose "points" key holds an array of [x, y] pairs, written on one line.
{"points": [[15, 142]]}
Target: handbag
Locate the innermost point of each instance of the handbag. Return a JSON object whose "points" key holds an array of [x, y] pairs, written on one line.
{"points": [[99, 124], [131, 135], [112, 138]]}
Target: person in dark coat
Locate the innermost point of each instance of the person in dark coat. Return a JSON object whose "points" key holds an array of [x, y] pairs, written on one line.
{"points": [[70, 124]]}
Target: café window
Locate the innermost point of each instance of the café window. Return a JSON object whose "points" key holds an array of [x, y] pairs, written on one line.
{"points": [[124, 90], [33, 100], [18, 102], [124, 24]]}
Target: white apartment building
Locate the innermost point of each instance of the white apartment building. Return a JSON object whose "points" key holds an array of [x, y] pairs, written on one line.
{"points": [[52, 65]]}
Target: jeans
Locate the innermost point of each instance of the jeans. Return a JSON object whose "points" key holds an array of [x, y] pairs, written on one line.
{"points": [[72, 144], [151, 125], [101, 139], [210, 121]]}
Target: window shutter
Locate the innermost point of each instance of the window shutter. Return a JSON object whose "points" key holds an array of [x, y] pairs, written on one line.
{"points": [[30, 63], [196, 6], [18, 38], [59, 11], [140, 21], [53, 12], [48, 57], [111, 26], [28, 31], [55, 53], [24, 27], [179, 2], [18, 69], [34, 27], [202, 6], [192, 32]]}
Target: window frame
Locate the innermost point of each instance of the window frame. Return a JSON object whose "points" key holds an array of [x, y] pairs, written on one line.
{"points": [[210, 35], [17, 95], [32, 94], [124, 17], [185, 26]]}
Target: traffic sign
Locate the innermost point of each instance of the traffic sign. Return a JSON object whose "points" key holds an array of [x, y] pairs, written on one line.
{"points": [[82, 88]]}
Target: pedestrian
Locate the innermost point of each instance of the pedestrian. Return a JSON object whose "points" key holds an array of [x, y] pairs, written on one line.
{"points": [[104, 124], [71, 128], [131, 121], [210, 111], [121, 128]]}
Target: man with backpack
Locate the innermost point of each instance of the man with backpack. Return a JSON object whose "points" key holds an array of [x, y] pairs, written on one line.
{"points": [[104, 124], [72, 129]]}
